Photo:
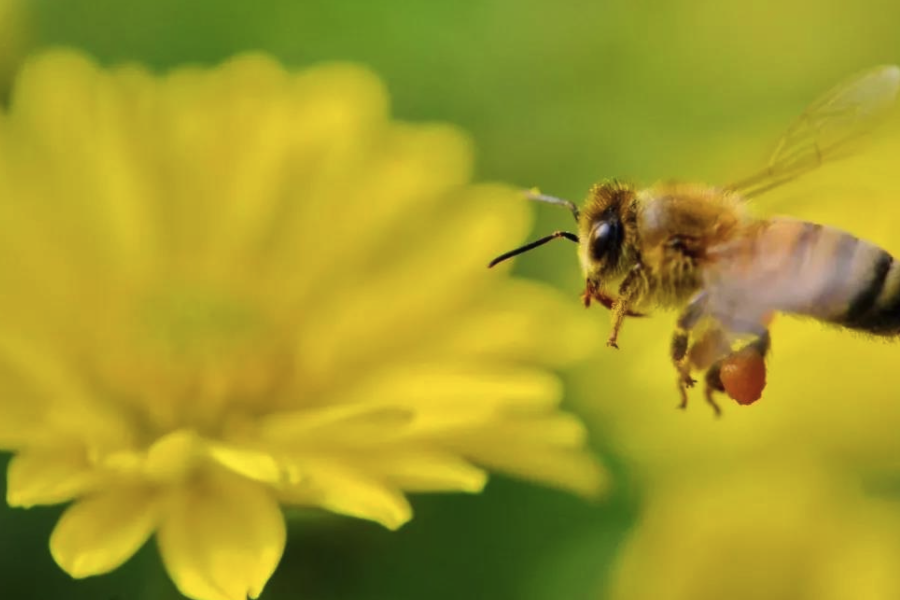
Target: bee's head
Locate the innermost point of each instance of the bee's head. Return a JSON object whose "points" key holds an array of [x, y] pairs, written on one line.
{"points": [[606, 231], [605, 227]]}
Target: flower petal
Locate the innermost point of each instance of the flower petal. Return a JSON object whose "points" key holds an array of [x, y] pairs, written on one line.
{"points": [[49, 476], [432, 385], [343, 490], [293, 427], [22, 407], [252, 464], [334, 115], [542, 449], [98, 534], [425, 470], [222, 538], [413, 401], [571, 470], [549, 328], [412, 170], [82, 124], [65, 408], [437, 279]]}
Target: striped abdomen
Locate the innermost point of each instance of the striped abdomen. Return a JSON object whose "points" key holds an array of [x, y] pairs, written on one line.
{"points": [[807, 269]]}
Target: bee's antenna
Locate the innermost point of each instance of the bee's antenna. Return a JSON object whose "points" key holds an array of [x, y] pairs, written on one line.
{"points": [[556, 234], [535, 195]]}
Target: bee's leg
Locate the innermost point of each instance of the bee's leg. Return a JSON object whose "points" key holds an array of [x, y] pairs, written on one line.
{"points": [[590, 290], [762, 342], [619, 308], [687, 320], [629, 292], [713, 385], [679, 349]]}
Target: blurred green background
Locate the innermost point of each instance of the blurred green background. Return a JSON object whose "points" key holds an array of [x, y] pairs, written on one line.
{"points": [[555, 94]]}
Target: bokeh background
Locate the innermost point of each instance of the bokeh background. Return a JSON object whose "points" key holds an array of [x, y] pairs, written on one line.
{"points": [[793, 497]]}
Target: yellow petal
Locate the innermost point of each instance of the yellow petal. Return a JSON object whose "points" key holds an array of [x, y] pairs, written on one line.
{"points": [[343, 490], [414, 400], [296, 426], [553, 429], [413, 171], [79, 122], [436, 280], [329, 122], [550, 328], [66, 407], [426, 385], [424, 470], [98, 534], [49, 476], [222, 538], [570, 470], [90, 149], [243, 178], [22, 405], [252, 464], [17, 30], [542, 449], [223, 142], [174, 456]]}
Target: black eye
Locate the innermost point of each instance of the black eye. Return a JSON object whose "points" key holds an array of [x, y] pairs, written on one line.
{"points": [[605, 238]]}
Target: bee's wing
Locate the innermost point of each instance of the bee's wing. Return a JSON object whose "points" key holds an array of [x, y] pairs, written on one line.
{"points": [[745, 279], [828, 128], [786, 265]]}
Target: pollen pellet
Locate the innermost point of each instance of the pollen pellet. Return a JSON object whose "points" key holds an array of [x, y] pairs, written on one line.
{"points": [[744, 376]]}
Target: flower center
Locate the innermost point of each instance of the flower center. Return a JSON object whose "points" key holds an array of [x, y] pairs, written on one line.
{"points": [[194, 359], [190, 322]]}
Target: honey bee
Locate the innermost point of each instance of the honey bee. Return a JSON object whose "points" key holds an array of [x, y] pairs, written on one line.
{"points": [[695, 247]]}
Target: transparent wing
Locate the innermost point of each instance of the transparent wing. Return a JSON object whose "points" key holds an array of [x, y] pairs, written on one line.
{"points": [[828, 129]]}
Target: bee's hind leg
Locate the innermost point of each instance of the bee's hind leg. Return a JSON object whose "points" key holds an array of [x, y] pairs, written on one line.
{"points": [[748, 383], [687, 320], [714, 384]]}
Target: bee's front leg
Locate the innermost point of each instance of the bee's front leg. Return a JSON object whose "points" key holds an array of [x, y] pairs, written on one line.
{"points": [[629, 294], [590, 293]]}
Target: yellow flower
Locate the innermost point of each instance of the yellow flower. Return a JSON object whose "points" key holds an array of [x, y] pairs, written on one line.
{"points": [[232, 289], [15, 36], [785, 532]]}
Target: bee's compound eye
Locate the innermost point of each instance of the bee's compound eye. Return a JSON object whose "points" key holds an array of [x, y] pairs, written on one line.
{"points": [[604, 238]]}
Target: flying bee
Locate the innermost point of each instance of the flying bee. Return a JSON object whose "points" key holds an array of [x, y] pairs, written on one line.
{"points": [[696, 248]]}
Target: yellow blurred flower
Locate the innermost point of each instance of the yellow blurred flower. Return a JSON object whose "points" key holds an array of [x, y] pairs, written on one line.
{"points": [[232, 289], [15, 36], [786, 532]]}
